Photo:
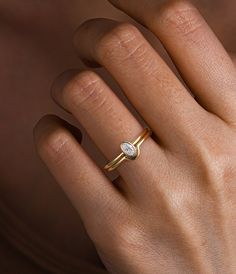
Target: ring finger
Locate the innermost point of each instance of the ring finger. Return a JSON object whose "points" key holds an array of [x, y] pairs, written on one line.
{"points": [[108, 122], [151, 86]]}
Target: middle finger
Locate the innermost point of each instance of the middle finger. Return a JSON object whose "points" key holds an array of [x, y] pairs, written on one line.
{"points": [[108, 122], [146, 79]]}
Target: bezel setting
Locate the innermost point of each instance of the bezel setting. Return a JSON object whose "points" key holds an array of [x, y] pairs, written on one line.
{"points": [[129, 150]]}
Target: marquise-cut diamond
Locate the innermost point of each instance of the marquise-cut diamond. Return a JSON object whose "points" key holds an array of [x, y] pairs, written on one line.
{"points": [[129, 149]]}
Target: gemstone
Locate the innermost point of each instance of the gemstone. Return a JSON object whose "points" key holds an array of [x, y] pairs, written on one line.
{"points": [[129, 149]]}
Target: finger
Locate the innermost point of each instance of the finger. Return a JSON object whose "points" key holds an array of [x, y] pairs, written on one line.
{"points": [[198, 54], [92, 194], [148, 82], [233, 58], [108, 122]]}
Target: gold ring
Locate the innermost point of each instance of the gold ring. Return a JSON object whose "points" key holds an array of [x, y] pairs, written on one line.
{"points": [[130, 150]]}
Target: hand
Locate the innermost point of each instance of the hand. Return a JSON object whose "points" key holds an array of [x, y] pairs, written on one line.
{"points": [[172, 210]]}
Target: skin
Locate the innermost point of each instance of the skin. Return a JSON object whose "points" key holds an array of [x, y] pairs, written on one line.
{"points": [[174, 208], [171, 148]]}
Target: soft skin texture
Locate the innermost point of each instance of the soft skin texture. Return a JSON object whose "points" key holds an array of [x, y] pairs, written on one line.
{"points": [[173, 209], [35, 46]]}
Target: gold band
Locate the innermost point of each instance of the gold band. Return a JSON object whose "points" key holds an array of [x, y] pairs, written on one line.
{"points": [[130, 151]]}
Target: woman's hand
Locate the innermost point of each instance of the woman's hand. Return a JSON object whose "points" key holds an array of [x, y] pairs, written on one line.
{"points": [[172, 210]]}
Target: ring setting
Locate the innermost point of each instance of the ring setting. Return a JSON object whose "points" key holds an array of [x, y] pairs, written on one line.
{"points": [[129, 150]]}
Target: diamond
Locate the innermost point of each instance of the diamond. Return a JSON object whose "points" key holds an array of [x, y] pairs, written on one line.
{"points": [[129, 150]]}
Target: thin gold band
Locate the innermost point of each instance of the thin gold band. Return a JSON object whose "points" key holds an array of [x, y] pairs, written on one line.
{"points": [[122, 157]]}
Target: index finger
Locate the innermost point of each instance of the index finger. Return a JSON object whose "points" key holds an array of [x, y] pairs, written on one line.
{"points": [[202, 60]]}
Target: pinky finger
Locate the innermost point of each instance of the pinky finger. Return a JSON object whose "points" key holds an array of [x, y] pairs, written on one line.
{"points": [[92, 194]]}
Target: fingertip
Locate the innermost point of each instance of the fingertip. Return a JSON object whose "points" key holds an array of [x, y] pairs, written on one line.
{"points": [[51, 125], [59, 84], [86, 37], [44, 125]]}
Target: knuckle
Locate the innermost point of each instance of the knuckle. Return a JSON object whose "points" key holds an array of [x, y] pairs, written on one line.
{"points": [[220, 168], [128, 234], [121, 43], [84, 91], [182, 16], [214, 157], [123, 234], [221, 178], [127, 238]]}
